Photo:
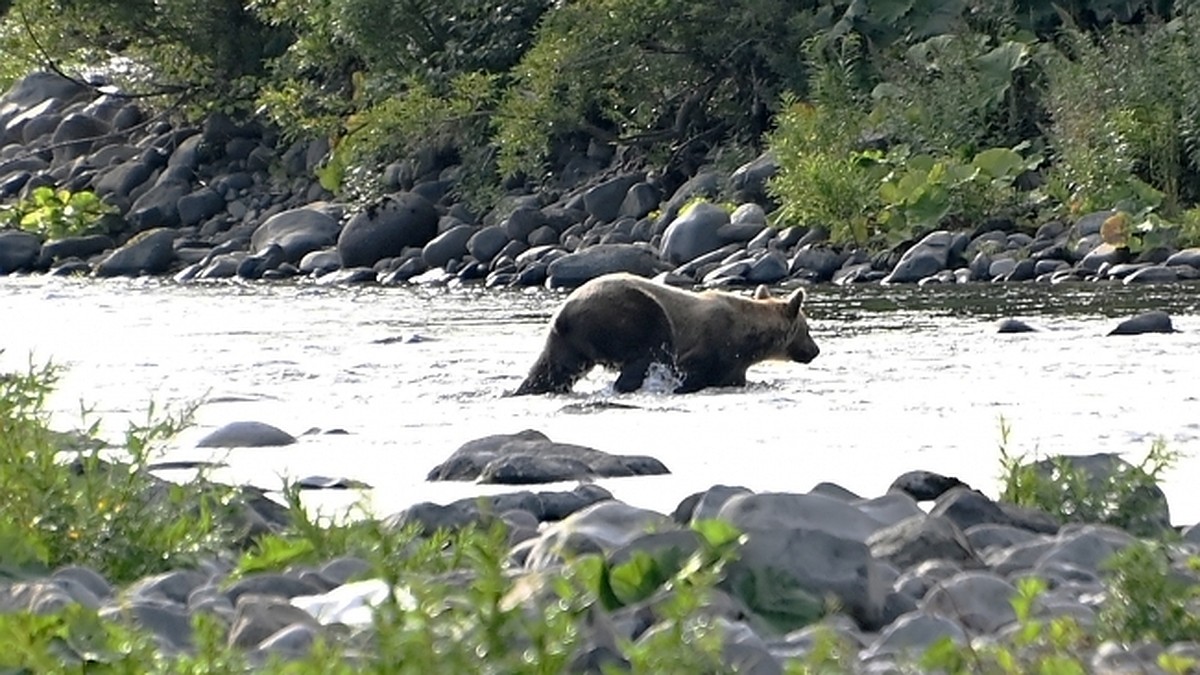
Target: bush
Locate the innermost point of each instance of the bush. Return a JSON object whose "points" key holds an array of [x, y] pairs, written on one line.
{"points": [[70, 501], [1129, 499], [1124, 109], [55, 214]]}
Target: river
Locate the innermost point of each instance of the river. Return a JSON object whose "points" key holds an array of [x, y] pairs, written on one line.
{"points": [[908, 378]]}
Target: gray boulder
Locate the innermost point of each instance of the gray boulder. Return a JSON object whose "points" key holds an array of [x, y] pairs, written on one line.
{"points": [[18, 250], [158, 206], [486, 243], [1188, 256], [150, 252], [1104, 254], [694, 233], [786, 576], [913, 634], [246, 435], [978, 601], [600, 528], [298, 231], [768, 267], [75, 136], [770, 511], [36, 88], [577, 268], [385, 229], [1014, 326], [603, 202], [920, 538], [749, 181], [122, 179], [522, 222], [705, 185], [530, 457], [447, 246], [259, 618], [81, 247], [818, 259], [199, 206], [640, 201], [1152, 274], [1147, 322], [171, 625], [927, 257]]}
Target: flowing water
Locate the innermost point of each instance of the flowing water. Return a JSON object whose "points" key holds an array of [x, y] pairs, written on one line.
{"points": [[907, 378]]}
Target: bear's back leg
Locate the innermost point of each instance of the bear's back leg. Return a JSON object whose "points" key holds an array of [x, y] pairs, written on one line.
{"points": [[630, 333]]}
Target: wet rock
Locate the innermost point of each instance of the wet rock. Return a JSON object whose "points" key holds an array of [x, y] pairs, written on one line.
{"points": [[1104, 254], [18, 251], [1147, 322], [246, 435], [386, 228], [150, 252], [75, 136], [298, 231], [199, 206], [772, 511], [86, 577], [706, 505], [913, 634], [600, 528], [979, 601], [928, 256], [330, 483], [1153, 274], [694, 233], [967, 508], [749, 181], [640, 201], [169, 587], [603, 202], [1188, 256], [575, 269], [530, 457], [272, 586], [320, 262], [920, 538], [821, 260], [170, 624], [768, 268], [257, 265], [81, 247], [158, 207], [36, 597], [258, 618], [1014, 326], [924, 485], [788, 573]]}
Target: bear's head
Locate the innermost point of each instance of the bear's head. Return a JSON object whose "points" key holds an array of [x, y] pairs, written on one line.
{"points": [[798, 344]]}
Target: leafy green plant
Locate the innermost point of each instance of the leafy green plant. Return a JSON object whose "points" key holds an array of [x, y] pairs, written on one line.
{"points": [[57, 213], [1125, 500], [100, 508], [1147, 599], [921, 191]]}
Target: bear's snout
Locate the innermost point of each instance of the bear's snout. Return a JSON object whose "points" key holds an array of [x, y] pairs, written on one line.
{"points": [[805, 352]]}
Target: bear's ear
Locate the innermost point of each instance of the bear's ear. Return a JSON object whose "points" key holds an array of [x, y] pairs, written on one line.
{"points": [[761, 293], [795, 302]]}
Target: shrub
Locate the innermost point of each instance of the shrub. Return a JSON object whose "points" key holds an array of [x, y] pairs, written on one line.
{"points": [[1124, 107], [55, 214], [100, 508], [1127, 500], [1148, 600]]}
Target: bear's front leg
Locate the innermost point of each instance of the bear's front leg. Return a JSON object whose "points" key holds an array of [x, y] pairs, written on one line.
{"points": [[557, 369]]}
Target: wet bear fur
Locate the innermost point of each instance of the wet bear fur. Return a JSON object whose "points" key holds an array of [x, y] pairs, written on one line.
{"points": [[628, 323]]}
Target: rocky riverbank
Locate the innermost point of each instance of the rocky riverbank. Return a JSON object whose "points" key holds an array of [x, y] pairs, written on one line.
{"points": [[929, 564], [226, 200]]}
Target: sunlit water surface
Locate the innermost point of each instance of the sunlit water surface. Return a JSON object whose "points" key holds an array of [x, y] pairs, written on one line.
{"points": [[908, 378]]}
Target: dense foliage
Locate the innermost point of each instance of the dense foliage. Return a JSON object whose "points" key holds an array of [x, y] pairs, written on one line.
{"points": [[1098, 97]]}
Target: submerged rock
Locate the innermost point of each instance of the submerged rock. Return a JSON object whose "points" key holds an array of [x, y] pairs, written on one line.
{"points": [[1148, 322], [246, 435], [531, 457]]}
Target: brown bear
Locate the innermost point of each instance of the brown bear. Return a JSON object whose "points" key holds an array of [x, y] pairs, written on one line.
{"points": [[627, 323]]}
